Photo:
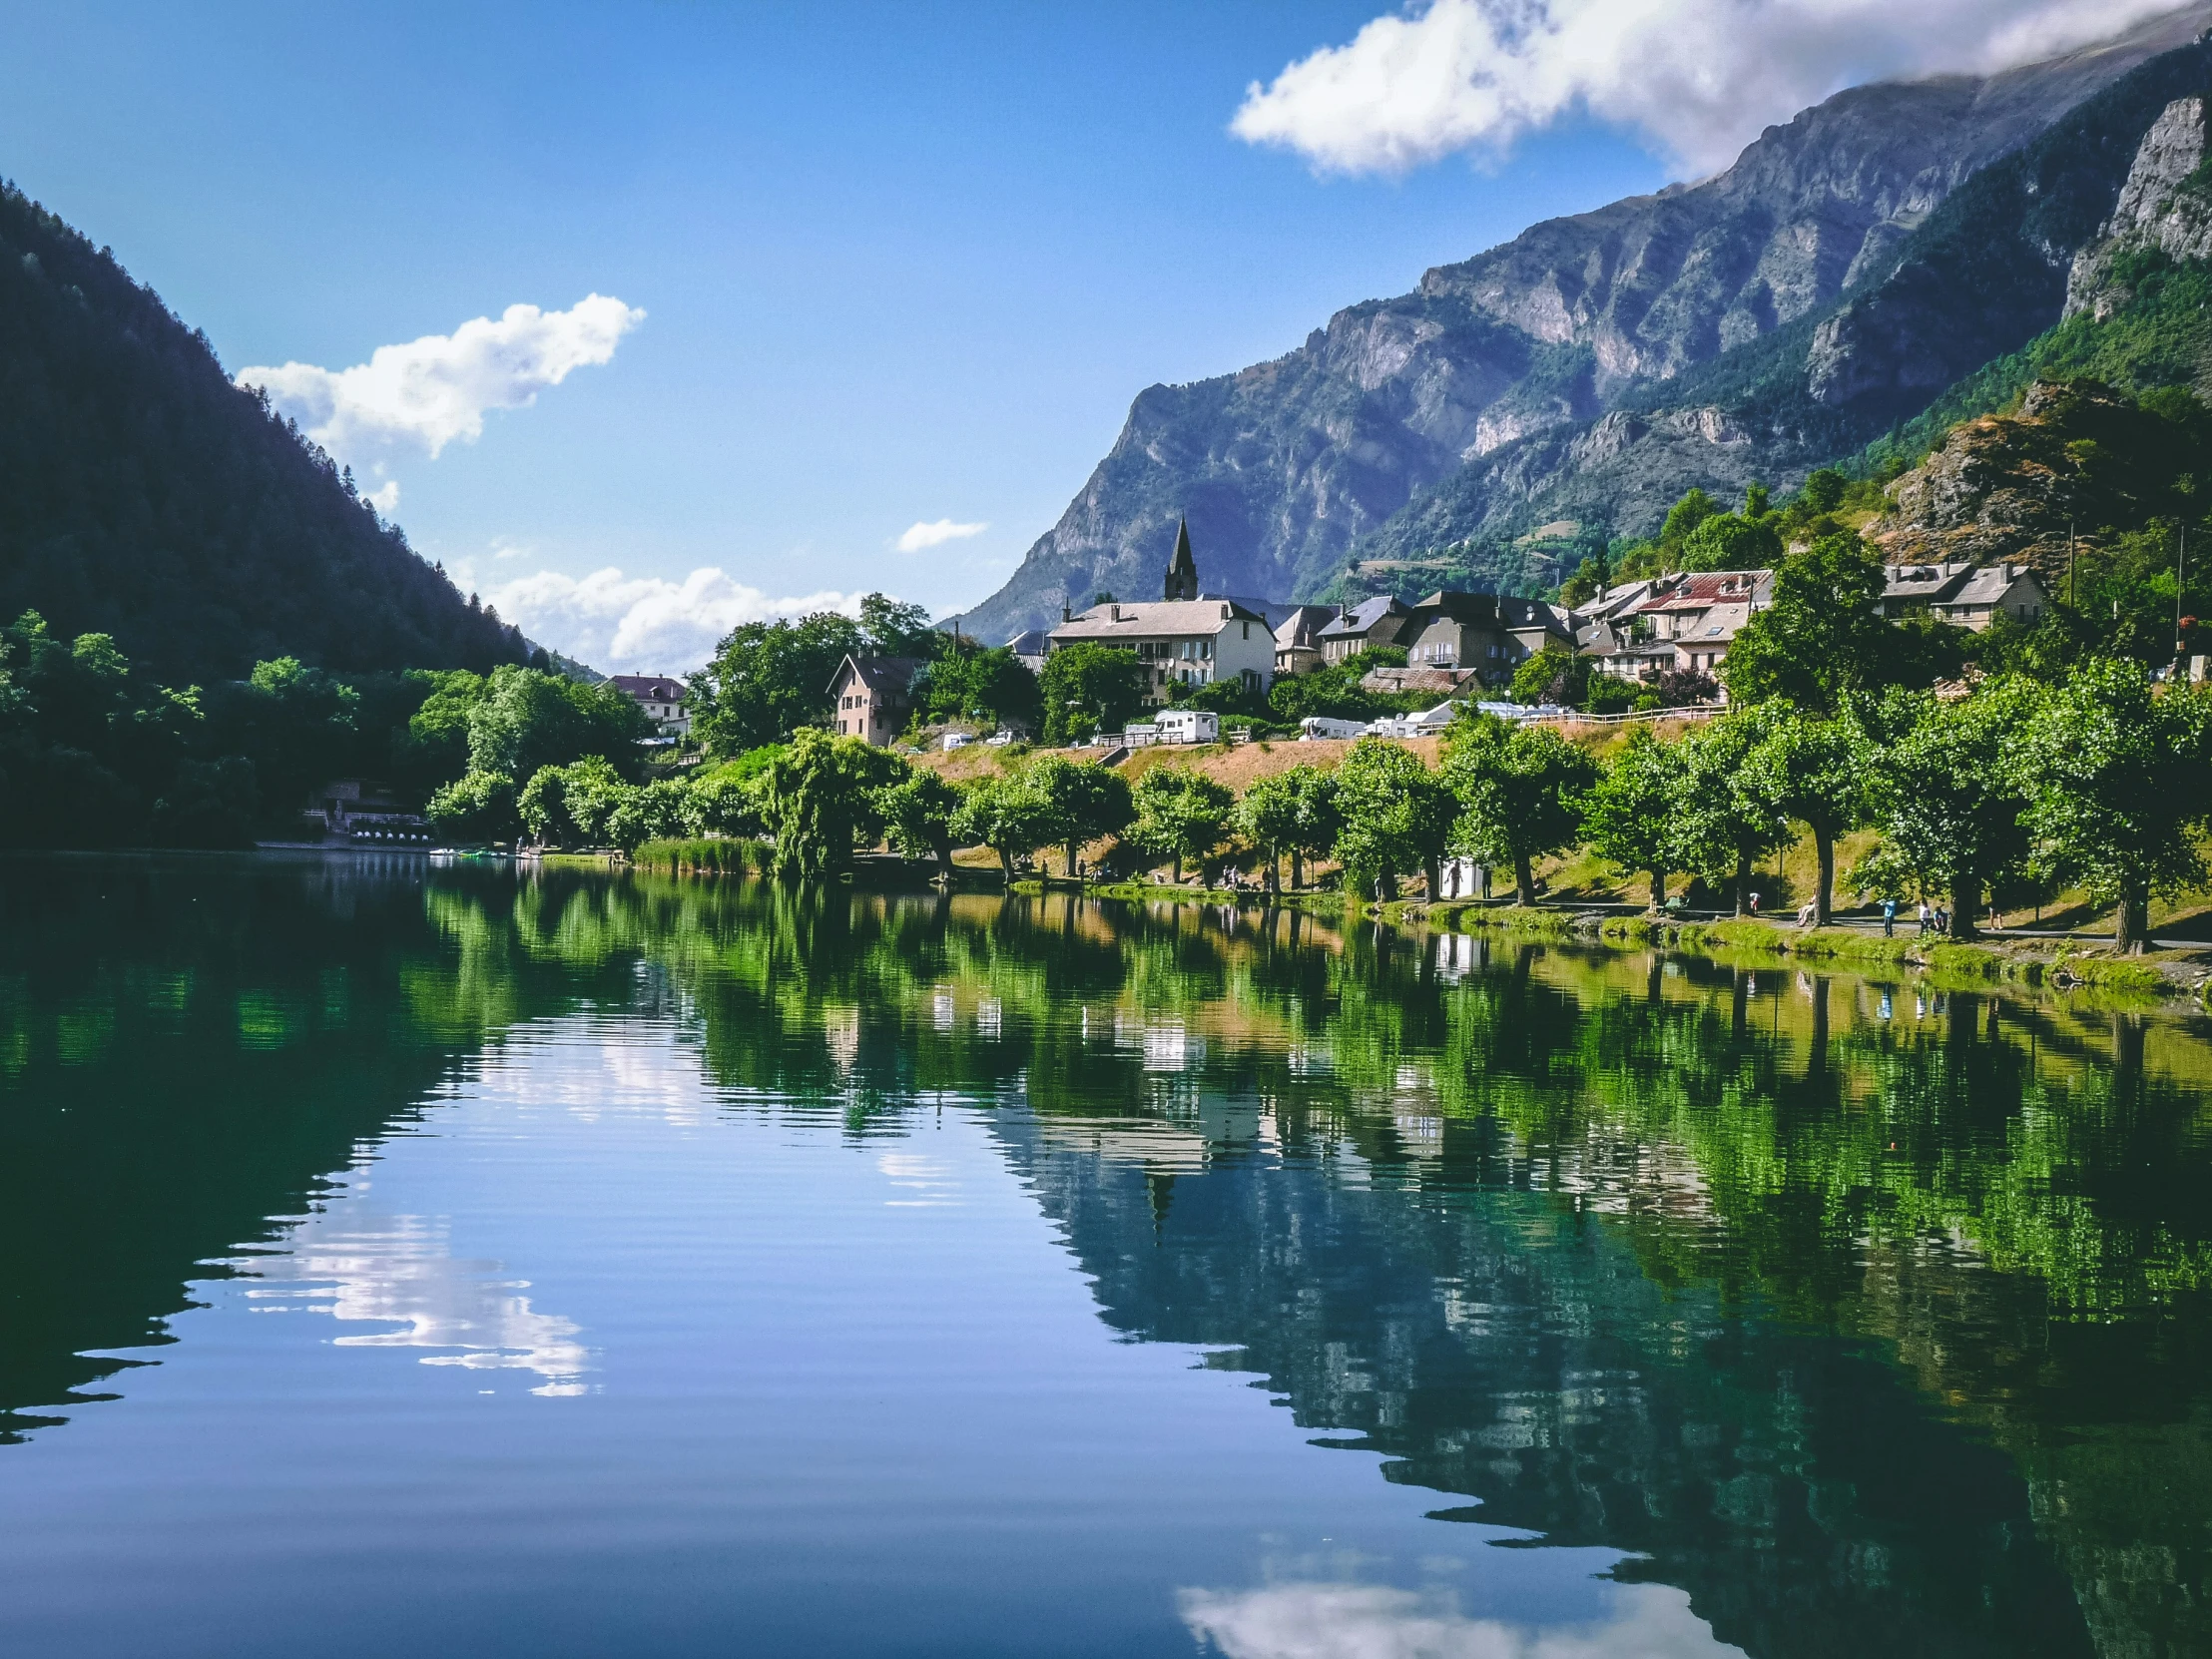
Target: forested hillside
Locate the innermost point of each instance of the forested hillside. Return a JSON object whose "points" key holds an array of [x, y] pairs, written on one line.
{"points": [[144, 496]]}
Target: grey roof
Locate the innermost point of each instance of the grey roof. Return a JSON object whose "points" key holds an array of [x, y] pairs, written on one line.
{"points": [[1989, 583], [1178, 617], [1303, 624], [882, 673], [1362, 617], [1925, 581]]}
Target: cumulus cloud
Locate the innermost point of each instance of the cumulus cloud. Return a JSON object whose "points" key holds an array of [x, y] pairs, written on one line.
{"points": [[917, 536], [1694, 79], [644, 624], [385, 497], [1374, 1621], [433, 392]]}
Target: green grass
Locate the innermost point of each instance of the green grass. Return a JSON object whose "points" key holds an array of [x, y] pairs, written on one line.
{"points": [[700, 857]]}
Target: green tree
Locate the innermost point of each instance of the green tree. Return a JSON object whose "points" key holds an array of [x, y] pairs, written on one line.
{"points": [[477, 807], [1948, 805], [435, 747], [1007, 813], [1293, 812], [1731, 541], [1814, 768], [1683, 518], [1630, 814], [528, 720], [1823, 636], [818, 798], [891, 629], [1724, 819], [654, 812], [1521, 789], [1396, 817], [1089, 801], [1180, 815], [1088, 686], [2115, 778], [769, 679], [918, 813], [1553, 675], [993, 686], [573, 804], [725, 804]]}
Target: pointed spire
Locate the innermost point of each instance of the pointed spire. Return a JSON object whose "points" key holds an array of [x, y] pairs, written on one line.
{"points": [[1182, 582]]}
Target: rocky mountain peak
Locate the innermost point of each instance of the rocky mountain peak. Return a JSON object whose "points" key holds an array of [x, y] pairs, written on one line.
{"points": [[1501, 363]]}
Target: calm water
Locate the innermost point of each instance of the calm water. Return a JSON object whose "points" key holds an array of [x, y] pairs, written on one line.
{"points": [[398, 1261]]}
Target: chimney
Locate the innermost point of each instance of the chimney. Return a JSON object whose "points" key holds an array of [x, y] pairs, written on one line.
{"points": [[1067, 610], [1113, 613]]}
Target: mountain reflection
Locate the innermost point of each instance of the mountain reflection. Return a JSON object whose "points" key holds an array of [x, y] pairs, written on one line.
{"points": [[1857, 1315]]}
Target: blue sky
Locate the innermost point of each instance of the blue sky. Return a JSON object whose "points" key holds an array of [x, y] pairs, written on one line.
{"points": [[898, 265]]}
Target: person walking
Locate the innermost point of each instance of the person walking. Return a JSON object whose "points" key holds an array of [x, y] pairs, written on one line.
{"points": [[1926, 916], [1942, 920], [1753, 902], [1889, 918]]}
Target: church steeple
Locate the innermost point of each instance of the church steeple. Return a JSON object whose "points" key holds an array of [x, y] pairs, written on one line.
{"points": [[1182, 582]]}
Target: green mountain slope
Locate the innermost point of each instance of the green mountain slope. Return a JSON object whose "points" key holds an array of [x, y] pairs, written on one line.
{"points": [[143, 495]]}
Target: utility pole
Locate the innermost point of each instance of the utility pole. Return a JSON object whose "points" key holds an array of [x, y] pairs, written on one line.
{"points": [[2181, 575]]}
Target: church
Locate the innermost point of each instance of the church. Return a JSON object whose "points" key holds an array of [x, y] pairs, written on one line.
{"points": [[1185, 640]]}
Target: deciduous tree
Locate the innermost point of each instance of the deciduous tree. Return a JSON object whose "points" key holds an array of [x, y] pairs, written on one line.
{"points": [[2115, 778], [1521, 790]]}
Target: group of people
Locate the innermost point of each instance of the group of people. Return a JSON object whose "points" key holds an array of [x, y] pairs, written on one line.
{"points": [[1934, 919]]}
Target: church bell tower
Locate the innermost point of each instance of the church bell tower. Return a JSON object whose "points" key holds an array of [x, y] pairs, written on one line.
{"points": [[1182, 582]]}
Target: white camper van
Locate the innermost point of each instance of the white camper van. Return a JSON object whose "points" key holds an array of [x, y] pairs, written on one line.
{"points": [[1314, 728], [1188, 726]]}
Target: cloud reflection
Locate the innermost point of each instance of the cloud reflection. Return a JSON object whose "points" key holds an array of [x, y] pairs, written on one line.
{"points": [[1376, 1621], [401, 1271]]}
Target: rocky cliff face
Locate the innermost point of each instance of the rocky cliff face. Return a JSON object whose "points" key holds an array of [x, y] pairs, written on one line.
{"points": [[2165, 205], [2076, 460], [1487, 391]]}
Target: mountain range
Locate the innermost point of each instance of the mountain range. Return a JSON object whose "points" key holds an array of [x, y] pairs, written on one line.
{"points": [[1851, 269]]}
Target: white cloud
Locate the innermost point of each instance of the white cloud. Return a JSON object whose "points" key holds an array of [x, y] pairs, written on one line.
{"points": [[1372, 1621], [431, 392], [385, 497], [917, 536], [643, 624], [1697, 79]]}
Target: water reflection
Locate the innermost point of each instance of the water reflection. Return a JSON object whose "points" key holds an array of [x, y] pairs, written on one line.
{"points": [[1858, 1314], [1373, 1621], [399, 1271]]}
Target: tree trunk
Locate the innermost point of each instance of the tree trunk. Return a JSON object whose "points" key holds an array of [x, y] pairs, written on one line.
{"points": [[1524, 879], [1966, 904], [1275, 873], [1823, 842], [1298, 871], [1006, 862], [1658, 892], [944, 859], [1175, 869], [1070, 850], [1743, 882], [1436, 875], [2130, 930]]}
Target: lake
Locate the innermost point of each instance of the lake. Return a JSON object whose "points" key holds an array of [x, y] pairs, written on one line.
{"points": [[414, 1259]]}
